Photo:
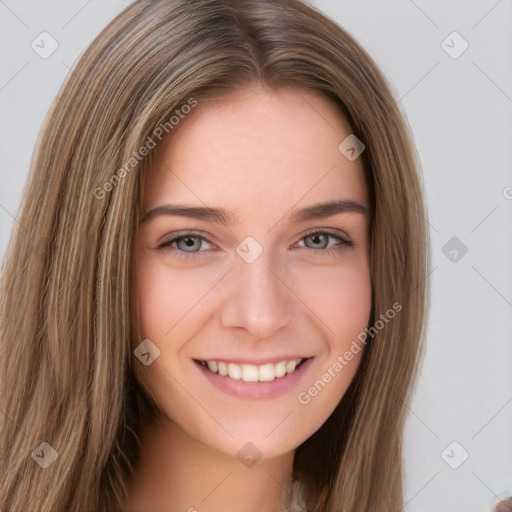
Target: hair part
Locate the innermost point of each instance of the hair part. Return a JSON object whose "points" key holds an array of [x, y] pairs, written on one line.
{"points": [[68, 312]]}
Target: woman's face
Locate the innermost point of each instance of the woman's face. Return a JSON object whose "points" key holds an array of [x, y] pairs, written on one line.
{"points": [[249, 285]]}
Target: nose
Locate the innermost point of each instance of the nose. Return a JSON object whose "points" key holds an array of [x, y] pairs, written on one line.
{"points": [[258, 298]]}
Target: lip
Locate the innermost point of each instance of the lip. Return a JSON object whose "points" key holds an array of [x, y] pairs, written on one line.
{"points": [[254, 390], [257, 362]]}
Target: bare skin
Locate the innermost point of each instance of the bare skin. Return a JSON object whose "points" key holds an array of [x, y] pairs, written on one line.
{"points": [[260, 154]]}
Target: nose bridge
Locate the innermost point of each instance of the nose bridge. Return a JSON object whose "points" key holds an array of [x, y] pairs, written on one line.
{"points": [[257, 299]]}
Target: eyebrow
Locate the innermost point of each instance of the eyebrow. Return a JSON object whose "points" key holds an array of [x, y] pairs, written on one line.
{"points": [[222, 216]]}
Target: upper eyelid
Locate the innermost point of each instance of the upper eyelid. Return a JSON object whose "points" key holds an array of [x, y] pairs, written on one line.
{"points": [[183, 234]]}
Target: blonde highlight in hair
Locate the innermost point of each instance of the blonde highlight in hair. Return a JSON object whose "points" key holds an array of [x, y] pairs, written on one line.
{"points": [[68, 309]]}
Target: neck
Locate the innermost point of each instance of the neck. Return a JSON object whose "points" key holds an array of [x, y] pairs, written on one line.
{"points": [[176, 473]]}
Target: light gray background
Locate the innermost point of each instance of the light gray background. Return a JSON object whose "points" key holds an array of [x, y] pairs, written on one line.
{"points": [[460, 112]]}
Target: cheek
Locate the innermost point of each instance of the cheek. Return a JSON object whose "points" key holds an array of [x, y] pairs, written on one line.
{"points": [[167, 300], [165, 296], [340, 298], [342, 301]]}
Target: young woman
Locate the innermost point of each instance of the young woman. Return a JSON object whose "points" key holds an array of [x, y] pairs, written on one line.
{"points": [[216, 293]]}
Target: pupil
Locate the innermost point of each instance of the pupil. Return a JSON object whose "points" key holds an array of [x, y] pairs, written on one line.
{"points": [[189, 242], [317, 239]]}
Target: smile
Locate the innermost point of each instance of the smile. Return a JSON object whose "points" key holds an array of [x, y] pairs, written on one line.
{"points": [[252, 372]]}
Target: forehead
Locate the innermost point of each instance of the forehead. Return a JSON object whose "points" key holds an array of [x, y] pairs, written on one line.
{"points": [[257, 148]]}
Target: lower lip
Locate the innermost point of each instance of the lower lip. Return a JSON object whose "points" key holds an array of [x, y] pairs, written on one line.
{"points": [[255, 390]]}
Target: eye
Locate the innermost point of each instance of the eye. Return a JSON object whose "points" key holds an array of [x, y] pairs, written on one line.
{"points": [[320, 239], [187, 244]]}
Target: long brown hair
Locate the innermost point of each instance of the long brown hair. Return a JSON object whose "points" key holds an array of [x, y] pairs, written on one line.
{"points": [[66, 311]]}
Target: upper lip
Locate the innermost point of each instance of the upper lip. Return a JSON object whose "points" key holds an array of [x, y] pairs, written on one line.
{"points": [[257, 362]]}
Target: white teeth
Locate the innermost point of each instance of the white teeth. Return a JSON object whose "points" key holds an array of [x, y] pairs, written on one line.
{"points": [[267, 372], [235, 372], [290, 366], [280, 369], [251, 372], [222, 368]]}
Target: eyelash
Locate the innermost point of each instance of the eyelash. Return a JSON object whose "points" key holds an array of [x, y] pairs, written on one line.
{"points": [[345, 242]]}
